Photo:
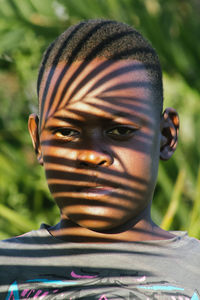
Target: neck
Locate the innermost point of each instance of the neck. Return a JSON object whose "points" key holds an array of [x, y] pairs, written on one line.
{"points": [[143, 229]]}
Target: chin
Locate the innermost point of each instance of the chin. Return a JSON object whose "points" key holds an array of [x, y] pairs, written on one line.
{"points": [[96, 225], [101, 219], [102, 224]]}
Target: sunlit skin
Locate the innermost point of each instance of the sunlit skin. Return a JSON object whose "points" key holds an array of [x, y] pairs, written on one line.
{"points": [[100, 152]]}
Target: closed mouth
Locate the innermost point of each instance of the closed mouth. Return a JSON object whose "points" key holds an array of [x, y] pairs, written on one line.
{"points": [[98, 190]]}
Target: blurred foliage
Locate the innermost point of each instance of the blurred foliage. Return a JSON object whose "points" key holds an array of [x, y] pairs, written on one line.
{"points": [[26, 28]]}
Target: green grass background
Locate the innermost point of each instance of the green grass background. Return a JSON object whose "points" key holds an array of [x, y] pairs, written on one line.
{"points": [[26, 28]]}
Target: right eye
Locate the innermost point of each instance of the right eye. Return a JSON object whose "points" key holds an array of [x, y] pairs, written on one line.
{"points": [[121, 132], [66, 132]]}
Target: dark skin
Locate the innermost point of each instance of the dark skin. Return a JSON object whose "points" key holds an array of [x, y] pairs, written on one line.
{"points": [[101, 157]]}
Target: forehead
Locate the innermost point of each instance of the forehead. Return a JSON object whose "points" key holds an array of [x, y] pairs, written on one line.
{"points": [[95, 86]]}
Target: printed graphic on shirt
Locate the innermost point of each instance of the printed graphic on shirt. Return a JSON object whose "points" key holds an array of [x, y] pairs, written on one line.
{"points": [[94, 286]]}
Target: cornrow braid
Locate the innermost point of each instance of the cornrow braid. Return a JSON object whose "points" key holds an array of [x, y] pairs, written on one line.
{"points": [[97, 38]]}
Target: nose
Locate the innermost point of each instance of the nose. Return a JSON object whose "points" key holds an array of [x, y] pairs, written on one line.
{"points": [[92, 158]]}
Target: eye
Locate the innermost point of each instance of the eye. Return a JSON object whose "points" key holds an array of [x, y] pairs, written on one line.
{"points": [[121, 132], [66, 132]]}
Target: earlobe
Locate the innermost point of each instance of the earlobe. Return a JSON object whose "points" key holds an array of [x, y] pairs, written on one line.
{"points": [[33, 127], [169, 133]]}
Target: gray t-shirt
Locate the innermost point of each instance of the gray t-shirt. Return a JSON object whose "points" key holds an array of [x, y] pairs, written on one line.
{"points": [[39, 266]]}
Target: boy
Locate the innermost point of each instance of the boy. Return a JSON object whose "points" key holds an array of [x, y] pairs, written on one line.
{"points": [[99, 135]]}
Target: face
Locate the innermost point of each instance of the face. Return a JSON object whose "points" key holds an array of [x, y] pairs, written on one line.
{"points": [[100, 142]]}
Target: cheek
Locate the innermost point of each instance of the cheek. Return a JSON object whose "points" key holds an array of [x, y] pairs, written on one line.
{"points": [[59, 165], [137, 164], [58, 155], [140, 161], [135, 157]]}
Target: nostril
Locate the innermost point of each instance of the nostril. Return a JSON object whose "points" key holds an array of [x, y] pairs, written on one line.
{"points": [[101, 163], [83, 164]]}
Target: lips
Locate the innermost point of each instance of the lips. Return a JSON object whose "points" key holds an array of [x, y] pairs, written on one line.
{"points": [[85, 188], [98, 190]]}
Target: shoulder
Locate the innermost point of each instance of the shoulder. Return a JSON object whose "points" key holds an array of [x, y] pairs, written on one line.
{"points": [[184, 243], [29, 240], [187, 251], [18, 253], [187, 242]]}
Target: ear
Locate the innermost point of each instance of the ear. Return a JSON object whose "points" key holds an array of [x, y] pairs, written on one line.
{"points": [[169, 133], [33, 127]]}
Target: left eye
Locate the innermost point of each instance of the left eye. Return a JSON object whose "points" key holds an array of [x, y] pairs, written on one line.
{"points": [[121, 131], [66, 132]]}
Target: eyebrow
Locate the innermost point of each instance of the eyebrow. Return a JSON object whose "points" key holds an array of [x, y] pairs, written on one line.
{"points": [[113, 115], [121, 114], [72, 120], [66, 119]]}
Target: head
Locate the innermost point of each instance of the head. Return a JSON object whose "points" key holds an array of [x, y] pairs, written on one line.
{"points": [[101, 130]]}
